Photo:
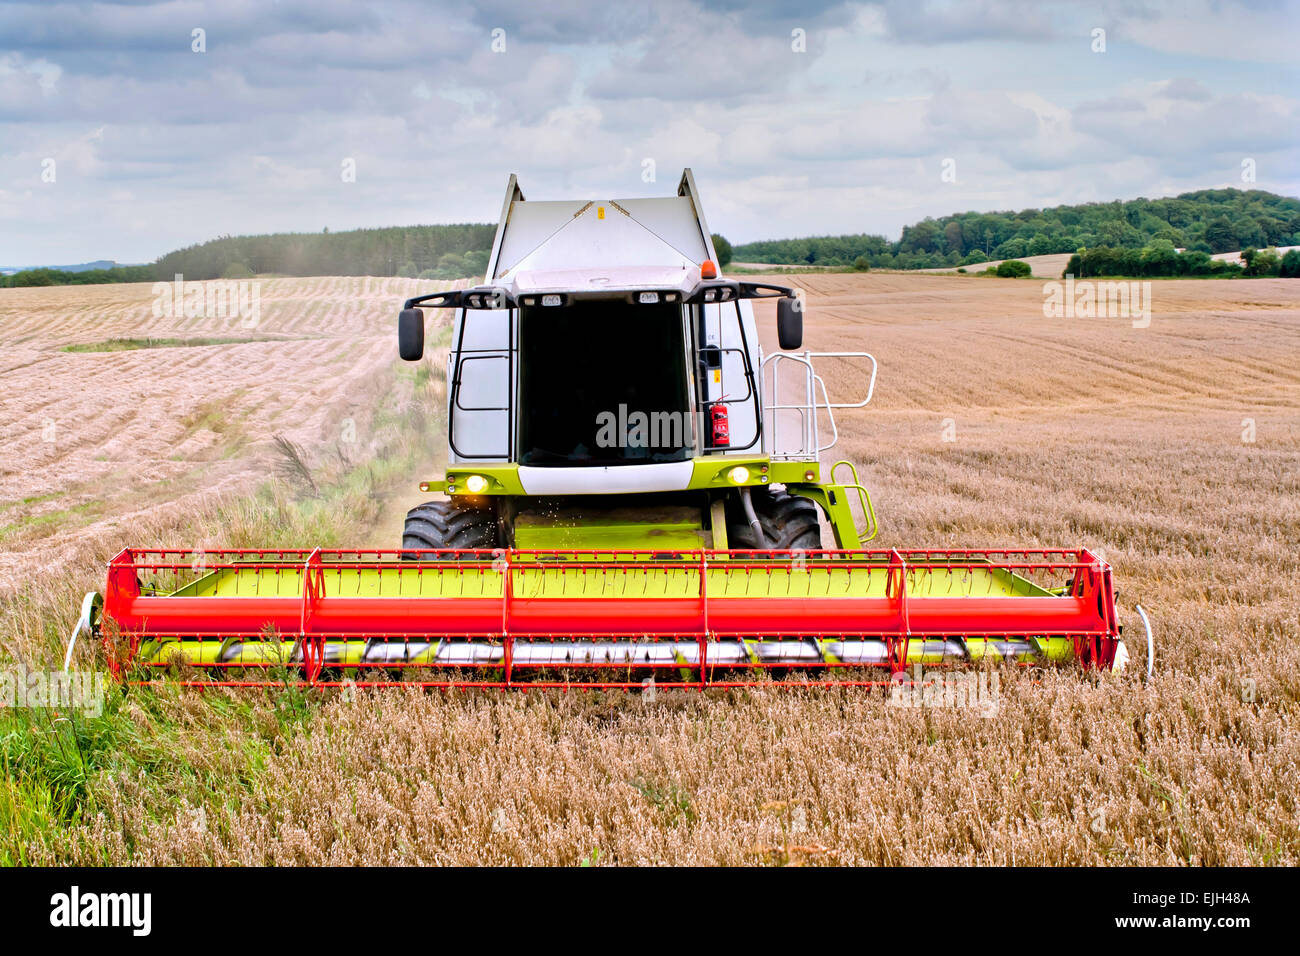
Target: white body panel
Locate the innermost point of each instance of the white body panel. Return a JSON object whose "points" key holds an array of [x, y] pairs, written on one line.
{"points": [[606, 479], [487, 365], [595, 247], [724, 331], [598, 237]]}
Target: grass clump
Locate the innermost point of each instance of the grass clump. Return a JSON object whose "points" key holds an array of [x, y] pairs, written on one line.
{"points": [[130, 345], [86, 787]]}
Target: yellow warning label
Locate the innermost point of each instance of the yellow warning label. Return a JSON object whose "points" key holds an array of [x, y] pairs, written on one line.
{"points": [[717, 375], [600, 212]]}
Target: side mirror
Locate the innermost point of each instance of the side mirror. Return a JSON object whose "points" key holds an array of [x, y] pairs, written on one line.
{"points": [[789, 322], [410, 334]]}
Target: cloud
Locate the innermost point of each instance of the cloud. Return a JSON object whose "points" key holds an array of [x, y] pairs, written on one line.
{"points": [[158, 147], [1252, 30], [961, 21], [1184, 88]]}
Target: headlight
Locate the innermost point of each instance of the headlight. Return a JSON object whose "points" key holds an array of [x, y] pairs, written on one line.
{"points": [[738, 475], [476, 484]]}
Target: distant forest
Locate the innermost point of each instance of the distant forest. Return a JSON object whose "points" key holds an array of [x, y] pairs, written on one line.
{"points": [[441, 252], [39, 277], [1208, 220], [433, 252]]}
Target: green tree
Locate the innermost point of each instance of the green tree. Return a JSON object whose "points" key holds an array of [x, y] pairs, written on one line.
{"points": [[952, 235], [723, 248], [1011, 249], [1248, 233], [1261, 262], [1040, 245], [34, 277], [1116, 232], [1159, 258], [1220, 235], [452, 266], [925, 236], [476, 261], [1014, 269], [1194, 262], [1289, 268]]}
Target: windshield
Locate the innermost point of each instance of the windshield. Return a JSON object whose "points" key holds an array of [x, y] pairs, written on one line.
{"points": [[603, 383]]}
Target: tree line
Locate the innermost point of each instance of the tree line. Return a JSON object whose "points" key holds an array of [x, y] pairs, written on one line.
{"points": [[1203, 222], [426, 252], [1160, 258], [42, 277], [442, 252], [1207, 220]]}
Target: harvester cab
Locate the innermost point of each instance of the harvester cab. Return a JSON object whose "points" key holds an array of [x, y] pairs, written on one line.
{"points": [[634, 494], [607, 387]]}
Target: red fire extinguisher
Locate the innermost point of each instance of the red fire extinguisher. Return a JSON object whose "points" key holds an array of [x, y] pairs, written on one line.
{"points": [[719, 428]]}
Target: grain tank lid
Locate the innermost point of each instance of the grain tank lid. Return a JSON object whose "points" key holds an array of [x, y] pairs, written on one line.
{"points": [[605, 235], [596, 282]]}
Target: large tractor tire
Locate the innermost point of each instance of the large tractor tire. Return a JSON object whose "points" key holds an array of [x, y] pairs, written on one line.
{"points": [[449, 524], [789, 523]]}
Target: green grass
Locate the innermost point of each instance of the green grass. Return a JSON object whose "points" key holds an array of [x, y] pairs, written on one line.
{"points": [[168, 747], [173, 748], [128, 345], [60, 517]]}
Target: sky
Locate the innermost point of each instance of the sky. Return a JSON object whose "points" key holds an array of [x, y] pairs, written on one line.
{"points": [[129, 129]]}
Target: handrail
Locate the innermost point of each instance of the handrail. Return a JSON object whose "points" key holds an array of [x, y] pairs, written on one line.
{"points": [[810, 446], [864, 501], [871, 384]]}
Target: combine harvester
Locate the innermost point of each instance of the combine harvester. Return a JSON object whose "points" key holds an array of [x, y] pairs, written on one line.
{"points": [[634, 491]]}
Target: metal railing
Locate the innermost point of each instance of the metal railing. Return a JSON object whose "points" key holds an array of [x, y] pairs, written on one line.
{"points": [[509, 618], [806, 408]]}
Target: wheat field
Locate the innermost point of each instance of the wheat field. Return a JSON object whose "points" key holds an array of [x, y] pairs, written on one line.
{"points": [[1174, 450]]}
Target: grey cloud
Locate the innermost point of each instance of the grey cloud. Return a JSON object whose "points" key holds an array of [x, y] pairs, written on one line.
{"points": [[1242, 123], [158, 147], [937, 21], [1110, 106], [1183, 88]]}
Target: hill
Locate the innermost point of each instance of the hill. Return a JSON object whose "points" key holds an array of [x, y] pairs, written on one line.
{"points": [[1208, 220], [97, 265], [450, 251]]}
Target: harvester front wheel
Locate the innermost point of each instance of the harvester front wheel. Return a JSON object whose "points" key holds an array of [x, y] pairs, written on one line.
{"points": [[437, 525], [789, 523]]}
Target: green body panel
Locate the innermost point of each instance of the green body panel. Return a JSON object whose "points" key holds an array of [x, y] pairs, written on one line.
{"points": [[712, 472], [834, 503], [503, 479], [707, 472], [609, 533]]}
